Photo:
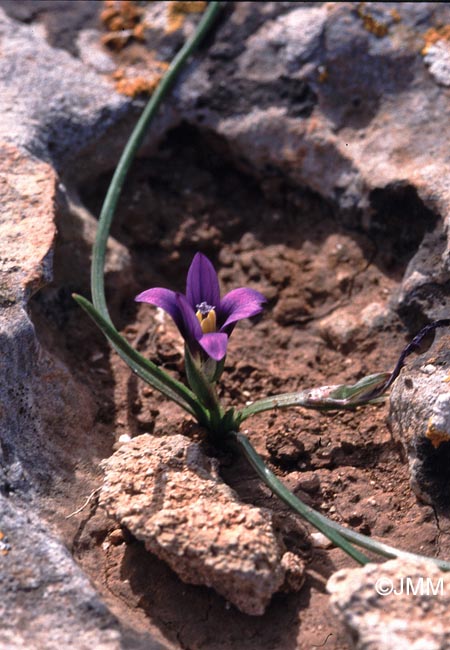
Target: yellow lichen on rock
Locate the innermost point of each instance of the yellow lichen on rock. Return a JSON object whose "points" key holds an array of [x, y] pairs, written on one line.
{"points": [[435, 34], [370, 23], [435, 435], [123, 20], [131, 83], [120, 14]]}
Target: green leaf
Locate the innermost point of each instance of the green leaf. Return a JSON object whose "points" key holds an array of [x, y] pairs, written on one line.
{"points": [[246, 448], [365, 389], [134, 142], [325, 398], [143, 367], [339, 535]]}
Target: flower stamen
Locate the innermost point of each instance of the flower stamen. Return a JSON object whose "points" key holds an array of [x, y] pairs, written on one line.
{"points": [[206, 317], [203, 308]]}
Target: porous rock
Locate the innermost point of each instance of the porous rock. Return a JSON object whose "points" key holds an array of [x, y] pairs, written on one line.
{"points": [[413, 617], [420, 421], [51, 104], [168, 493]]}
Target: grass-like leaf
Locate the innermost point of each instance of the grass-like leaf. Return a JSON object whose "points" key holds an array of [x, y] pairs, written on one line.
{"points": [[339, 535], [325, 398]]}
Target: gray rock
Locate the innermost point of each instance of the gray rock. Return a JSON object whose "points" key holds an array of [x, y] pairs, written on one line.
{"points": [[420, 421], [41, 406], [71, 105], [438, 60], [340, 100], [346, 105], [47, 601], [415, 615]]}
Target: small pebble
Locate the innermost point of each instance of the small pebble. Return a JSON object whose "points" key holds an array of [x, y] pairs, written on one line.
{"points": [[320, 541], [116, 537]]}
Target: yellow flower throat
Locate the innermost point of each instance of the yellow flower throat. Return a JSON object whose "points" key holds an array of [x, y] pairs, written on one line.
{"points": [[207, 321]]}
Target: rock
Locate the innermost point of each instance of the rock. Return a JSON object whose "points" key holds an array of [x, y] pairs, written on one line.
{"points": [[398, 605], [50, 109], [320, 541], [69, 111], [374, 315], [437, 58], [41, 577], [169, 495], [41, 407], [92, 54], [340, 328], [77, 229], [339, 100], [347, 105], [27, 203], [420, 421]]}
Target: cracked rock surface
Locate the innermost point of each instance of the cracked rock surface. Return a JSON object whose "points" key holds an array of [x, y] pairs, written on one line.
{"points": [[168, 493]]}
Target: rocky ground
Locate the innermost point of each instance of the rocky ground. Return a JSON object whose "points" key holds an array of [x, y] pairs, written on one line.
{"points": [[304, 151]]}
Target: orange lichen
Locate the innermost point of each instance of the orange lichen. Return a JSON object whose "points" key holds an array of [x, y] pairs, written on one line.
{"points": [[395, 16], [133, 82], [4, 546], [120, 14], [123, 20], [370, 23], [435, 34], [436, 436], [177, 11], [137, 86]]}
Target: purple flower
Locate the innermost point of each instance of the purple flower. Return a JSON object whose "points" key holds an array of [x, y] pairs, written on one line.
{"points": [[204, 320]]}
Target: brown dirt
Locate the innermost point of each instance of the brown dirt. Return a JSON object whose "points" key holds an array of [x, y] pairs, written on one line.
{"points": [[288, 244]]}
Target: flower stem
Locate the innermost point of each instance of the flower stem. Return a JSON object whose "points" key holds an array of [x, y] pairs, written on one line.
{"points": [[127, 157], [148, 371]]}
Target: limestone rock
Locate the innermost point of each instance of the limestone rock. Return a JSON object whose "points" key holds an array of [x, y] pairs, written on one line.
{"points": [[420, 421], [41, 406], [346, 101], [67, 612], [51, 104], [169, 495], [27, 205], [414, 616], [338, 99]]}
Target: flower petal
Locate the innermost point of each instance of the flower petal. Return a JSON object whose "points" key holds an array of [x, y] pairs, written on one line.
{"points": [[215, 345], [167, 300], [239, 304], [191, 326], [202, 284]]}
